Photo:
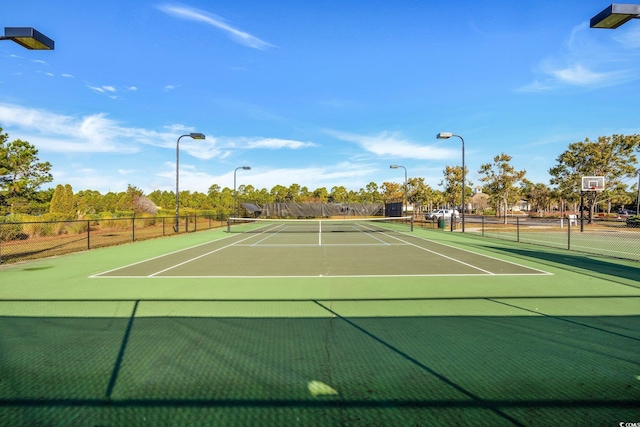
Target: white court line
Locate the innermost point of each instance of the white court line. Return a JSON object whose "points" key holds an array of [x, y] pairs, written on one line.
{"points": [[160, 256], [444, 256], [403, 243], [314, 245], [198, 257], [270, 235], [341, 276], [471, 252]]}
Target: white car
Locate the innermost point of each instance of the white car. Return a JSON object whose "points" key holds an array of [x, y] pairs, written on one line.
{"points": [[443, 213]]}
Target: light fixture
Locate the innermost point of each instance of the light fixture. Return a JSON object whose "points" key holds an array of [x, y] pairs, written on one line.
{"points": [[615, 15], [28, 37]]}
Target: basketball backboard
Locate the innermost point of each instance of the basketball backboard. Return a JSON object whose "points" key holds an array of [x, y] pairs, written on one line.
{"points": [[593, 183]]}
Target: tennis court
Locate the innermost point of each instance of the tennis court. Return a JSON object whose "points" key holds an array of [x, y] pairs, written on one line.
{"points": [[279, 325], [315, 248]]}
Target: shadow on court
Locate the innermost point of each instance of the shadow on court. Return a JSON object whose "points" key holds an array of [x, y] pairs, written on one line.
{"points": [[328, 370], [578, 262]]}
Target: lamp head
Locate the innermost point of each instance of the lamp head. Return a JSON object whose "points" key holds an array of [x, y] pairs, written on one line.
{"points": [[394, 166], [615, 15], [28, 37], [247, 168], [197, 135], [444, 135]]}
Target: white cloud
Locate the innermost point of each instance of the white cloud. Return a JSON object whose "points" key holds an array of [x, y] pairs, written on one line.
{"points": [[629, 37], [275, 143], [394, 145], [223, 147], [581, 61], [97, 133], [341, 174], [579, 75], [193, 14], [69, 134]]}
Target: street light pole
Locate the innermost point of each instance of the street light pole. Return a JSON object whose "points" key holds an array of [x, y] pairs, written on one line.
{"points": [[246, 168], [447, 135], [638, 195], [406, 203], [611, 18], [193, 135]]}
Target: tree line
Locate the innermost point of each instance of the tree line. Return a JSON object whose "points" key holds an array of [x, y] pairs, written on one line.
{"points": [[23, 174]]}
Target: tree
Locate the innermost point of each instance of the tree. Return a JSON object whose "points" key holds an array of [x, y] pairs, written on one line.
{"points": [[339, 194], [89, 202], [501, 180], [610, 156], [280, 194], [538, 195], [392, 191], [320, 195], [22, 173], [63, 201], [293, 193], [419, 193], [134, 200], [452, 183]]}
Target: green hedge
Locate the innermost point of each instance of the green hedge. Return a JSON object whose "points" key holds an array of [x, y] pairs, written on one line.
{"points": [[633, 221]]}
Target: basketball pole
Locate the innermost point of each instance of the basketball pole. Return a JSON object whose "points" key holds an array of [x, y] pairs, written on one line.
{"points": [[582, 211]]}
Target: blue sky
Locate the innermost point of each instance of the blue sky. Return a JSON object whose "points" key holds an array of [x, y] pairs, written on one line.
{"points": [[320, 93]]}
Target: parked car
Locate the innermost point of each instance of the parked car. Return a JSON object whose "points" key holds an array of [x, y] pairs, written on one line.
{"points": [[443, 213], [626, 212]]}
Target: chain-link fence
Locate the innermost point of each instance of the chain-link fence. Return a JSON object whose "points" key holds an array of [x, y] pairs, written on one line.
{"points": [[612, 238], [21, 241]]}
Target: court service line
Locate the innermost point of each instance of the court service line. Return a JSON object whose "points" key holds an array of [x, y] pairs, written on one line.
{"points": [[371, 234], [199, 256], [476, 253], [280, 227], [160, 256], [442, 255], [314, 245]]}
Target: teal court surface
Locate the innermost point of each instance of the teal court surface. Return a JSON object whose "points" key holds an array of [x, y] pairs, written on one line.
{"points": [[347, 249], [280, 326]]}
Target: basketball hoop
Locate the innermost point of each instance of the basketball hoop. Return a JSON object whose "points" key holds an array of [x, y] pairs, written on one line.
{"points": [[593, 184]]}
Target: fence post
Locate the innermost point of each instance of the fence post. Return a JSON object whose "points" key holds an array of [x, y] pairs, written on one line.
{"points": [[483, 225], [569, 235], [518, 229], [186, 223], [133, 229], [195, 222], [1, 243], [88, 234]]}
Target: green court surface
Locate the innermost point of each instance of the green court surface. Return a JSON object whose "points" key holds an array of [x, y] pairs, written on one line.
{"points": [[334, 328]]}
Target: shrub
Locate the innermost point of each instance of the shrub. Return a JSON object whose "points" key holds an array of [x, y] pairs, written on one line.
{"points": [[633, 221], [76, 227], [11, 232]]}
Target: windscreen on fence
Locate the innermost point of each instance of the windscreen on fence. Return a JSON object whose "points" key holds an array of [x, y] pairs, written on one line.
{"points": [[313, 210]]}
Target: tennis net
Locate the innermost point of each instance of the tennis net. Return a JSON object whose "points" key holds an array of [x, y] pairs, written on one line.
{"points": [[357, 225]]}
